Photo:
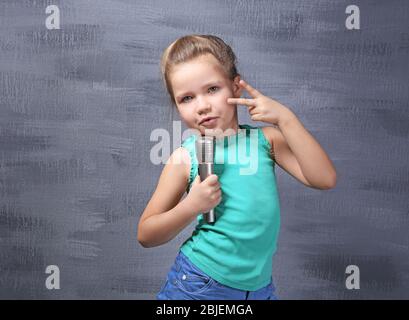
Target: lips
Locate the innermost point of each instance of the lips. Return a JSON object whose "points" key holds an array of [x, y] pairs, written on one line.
{"points": [[203, 121]]}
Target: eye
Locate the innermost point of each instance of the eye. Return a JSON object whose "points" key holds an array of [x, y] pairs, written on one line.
{"points": [[213, 89], [185, 99]]}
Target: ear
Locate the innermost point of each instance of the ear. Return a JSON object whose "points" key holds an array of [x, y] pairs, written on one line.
{"points": [[237, 89]]}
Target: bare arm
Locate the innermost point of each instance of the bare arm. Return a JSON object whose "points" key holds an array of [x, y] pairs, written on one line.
{"points": [[283, 155], [297, 151], [164, 216], [315, 164], [299, 154]]}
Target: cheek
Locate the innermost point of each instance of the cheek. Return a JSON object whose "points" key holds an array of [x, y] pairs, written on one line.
{"points": [[224, 95], [186, 115], [220, 99]]}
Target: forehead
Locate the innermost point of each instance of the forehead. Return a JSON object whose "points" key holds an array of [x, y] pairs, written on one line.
{"points": [[193, 74]]}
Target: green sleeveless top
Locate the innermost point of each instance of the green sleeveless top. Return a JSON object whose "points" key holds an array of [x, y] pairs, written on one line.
{"points": [[237, 250]]}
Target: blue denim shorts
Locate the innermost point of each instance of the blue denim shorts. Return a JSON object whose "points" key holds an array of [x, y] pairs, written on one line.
{"points": [[185, 281]]}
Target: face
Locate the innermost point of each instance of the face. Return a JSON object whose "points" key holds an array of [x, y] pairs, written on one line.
{"points": [[201, 90]]}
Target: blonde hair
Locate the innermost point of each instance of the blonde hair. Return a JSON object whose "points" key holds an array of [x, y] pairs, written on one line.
{"points": [[191, 46]]}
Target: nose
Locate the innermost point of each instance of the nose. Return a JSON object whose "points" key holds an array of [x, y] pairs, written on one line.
{"points": [[203, 106]]}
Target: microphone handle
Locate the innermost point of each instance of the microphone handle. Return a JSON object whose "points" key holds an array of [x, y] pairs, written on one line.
{"points": [[205, 170]]}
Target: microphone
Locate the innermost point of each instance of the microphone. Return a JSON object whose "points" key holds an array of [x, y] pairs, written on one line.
{"points": [[205, 155]]}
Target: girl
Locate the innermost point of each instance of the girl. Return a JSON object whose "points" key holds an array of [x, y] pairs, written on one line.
{"points": [[231, 258]]}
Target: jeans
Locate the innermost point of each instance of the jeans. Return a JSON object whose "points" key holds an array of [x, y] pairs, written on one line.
{"points": [[185, 281]]}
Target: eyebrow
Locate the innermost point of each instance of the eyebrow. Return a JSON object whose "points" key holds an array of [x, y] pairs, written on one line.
{"points": [[217, 82]]}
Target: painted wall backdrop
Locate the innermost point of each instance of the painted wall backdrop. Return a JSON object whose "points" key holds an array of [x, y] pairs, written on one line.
{"points": [[78, 106]]}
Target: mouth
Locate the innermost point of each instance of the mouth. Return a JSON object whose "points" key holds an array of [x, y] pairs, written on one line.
{"points": [[208, 121]]}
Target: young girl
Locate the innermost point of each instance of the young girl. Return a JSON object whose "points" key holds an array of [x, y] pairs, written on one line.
{"points": [[231, 258]]}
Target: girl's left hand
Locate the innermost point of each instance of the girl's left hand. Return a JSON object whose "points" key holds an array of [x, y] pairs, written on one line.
{"points": [[261, 107]]}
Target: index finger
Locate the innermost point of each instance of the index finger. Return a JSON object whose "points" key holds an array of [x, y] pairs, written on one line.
{"points": [[242, 101], [253, 92]]}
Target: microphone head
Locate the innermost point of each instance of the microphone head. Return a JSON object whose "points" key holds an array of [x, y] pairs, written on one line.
{"points": [[205, 149]]}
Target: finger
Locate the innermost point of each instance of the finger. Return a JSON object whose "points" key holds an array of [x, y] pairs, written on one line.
{"points": [[257, 117], [253, 92], [212, 180], [216, 195], [252, 111], [242, 101]]}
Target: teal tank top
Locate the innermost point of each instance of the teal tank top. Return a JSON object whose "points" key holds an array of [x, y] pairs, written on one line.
{"points": [[237, 250]]}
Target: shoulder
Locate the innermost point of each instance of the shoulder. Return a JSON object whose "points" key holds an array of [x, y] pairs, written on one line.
{"points": [[273, 133], [180, 161], [274, 136]]}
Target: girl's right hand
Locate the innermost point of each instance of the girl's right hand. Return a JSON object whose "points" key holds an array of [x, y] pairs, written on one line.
{"points": [[205, 195]]}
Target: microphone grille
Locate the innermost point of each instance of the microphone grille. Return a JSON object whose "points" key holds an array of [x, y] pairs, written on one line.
{"points": [[205, 149]]}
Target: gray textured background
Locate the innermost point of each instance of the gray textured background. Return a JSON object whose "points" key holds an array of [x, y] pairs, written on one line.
{"points": [[78, 106]]}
